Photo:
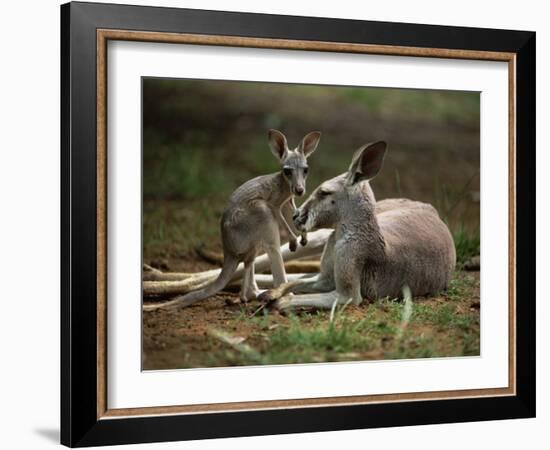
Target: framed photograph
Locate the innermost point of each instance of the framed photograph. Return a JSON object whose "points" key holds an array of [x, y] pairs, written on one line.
{"points": [[276, 224]]}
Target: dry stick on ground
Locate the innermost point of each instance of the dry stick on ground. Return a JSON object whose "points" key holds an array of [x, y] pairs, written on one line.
{"points": [[237, 343], [160, 284]]}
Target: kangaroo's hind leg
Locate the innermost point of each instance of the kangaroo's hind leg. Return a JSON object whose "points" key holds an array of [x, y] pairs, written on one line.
{"points": [[249, 289], [345, 293], [277, 265], [273, 249], [272, 244]]}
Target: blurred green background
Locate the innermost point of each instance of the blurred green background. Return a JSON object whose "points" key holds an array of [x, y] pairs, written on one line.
{"points": [[202, 139]]}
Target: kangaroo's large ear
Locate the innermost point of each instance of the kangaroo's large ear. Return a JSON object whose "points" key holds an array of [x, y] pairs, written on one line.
{"points": [[309, 143], [278, 144], [366, 162]]}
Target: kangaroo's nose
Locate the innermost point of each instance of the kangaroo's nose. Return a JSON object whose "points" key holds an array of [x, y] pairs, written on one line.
{"points": [[299, 190]]}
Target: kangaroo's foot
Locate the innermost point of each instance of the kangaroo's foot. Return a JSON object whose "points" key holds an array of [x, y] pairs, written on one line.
{"points": [[299, 285], [284, 303], [293, 244], [268, 296], [275, 293]]}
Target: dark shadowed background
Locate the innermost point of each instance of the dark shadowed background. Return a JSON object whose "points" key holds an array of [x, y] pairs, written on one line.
{"points": [[203, 138]]}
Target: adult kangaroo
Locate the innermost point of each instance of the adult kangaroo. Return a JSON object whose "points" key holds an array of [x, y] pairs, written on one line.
{"points": [[250, 221], [376, 248]]}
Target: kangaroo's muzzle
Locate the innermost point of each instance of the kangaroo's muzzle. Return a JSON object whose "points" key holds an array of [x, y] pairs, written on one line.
{"points": [[299, 191]]}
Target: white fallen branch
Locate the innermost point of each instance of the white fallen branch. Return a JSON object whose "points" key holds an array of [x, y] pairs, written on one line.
{"points": [[292, 266], [158, 283]]}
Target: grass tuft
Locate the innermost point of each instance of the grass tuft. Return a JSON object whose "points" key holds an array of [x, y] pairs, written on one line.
{"points": [[466, 244]]}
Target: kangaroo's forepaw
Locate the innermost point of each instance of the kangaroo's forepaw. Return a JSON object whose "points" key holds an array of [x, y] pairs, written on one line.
{"points": [[266, 296], [293, 245], [303, 240]]}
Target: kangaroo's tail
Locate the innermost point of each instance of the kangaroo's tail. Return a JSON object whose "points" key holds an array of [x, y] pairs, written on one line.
{"points": [[229, 267]]}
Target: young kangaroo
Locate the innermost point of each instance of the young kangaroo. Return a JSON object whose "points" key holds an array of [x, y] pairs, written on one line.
{"points": [[376, 248], [250, 222]]}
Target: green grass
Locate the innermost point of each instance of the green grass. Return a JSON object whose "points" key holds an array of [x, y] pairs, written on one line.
{"points": [[176, 170], [466, 244], [312, 337], [444, 317], [321, 341], [372, 334], [460, 287]]}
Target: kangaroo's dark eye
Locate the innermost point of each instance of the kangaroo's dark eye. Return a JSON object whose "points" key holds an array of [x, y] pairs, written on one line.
{"points": [[324, 194], [305, 170], [287, 171]]}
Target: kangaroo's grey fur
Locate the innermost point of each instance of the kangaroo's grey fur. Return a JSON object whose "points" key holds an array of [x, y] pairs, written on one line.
{"points": [[376, 248], [250, 221]]}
